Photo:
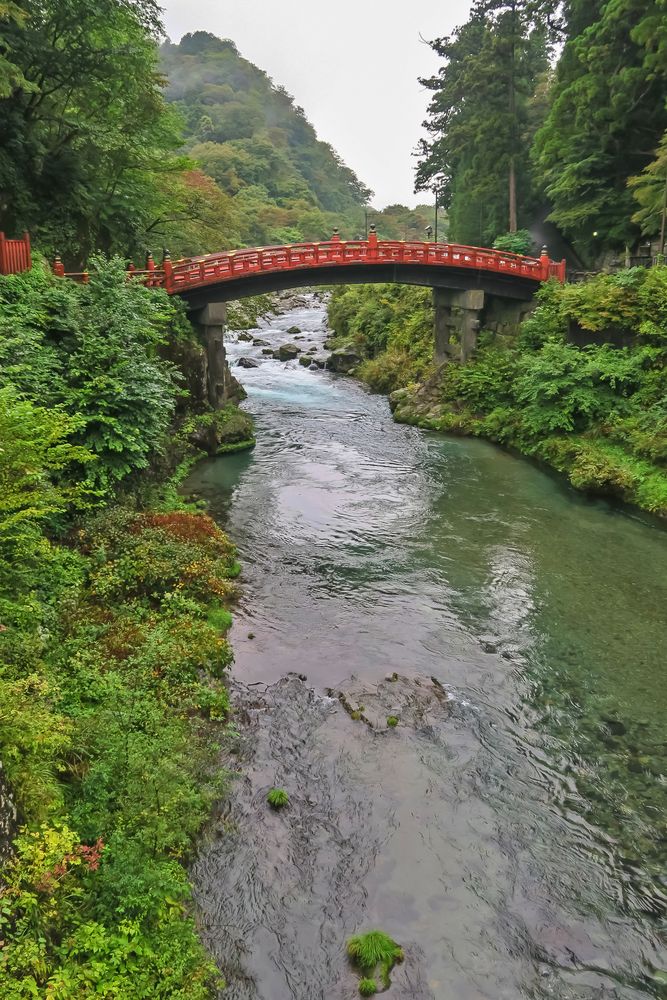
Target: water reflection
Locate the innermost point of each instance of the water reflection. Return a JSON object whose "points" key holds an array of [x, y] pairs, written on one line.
{"points": [[517, 844]]}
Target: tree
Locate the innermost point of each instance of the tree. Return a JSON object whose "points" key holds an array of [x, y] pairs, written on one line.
{"points": [[607, 116], [85, 129], [480, 119], [650, 191], [11, 77]]}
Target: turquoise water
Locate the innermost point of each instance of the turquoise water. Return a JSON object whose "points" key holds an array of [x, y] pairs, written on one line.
{"points": [[370, 547]]}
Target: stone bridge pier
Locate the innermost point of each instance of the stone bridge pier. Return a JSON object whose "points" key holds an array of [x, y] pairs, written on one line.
{"points": [[210, 322], [461, 314]]}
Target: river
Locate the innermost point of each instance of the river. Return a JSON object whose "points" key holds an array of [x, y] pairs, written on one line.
{"points": [[510, 832]]}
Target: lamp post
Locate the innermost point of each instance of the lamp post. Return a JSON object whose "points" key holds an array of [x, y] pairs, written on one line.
{"points": [[437, 191], [429, 233]]}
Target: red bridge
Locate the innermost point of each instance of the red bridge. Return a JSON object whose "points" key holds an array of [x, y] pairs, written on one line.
{"points": [[238, 273]]}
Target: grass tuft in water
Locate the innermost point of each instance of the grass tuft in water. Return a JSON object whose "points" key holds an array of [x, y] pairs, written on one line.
{"points": [[277, 798], [392, 720], [367, 987], [373, 952]]}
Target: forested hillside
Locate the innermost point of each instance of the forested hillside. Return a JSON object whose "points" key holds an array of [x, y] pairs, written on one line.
{"points": [[257, 144], [514, 135], [279, 183]]}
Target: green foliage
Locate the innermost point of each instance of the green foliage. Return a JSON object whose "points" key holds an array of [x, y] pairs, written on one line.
{"points": [[482, 118], [648, 189], [277, 798], [105, 734], [607, 115], [390, 325], [392, 721], [92, 351], [85, 133], [519, 242], [281, 182], [367, 987], [598, 412], [374, 953]]}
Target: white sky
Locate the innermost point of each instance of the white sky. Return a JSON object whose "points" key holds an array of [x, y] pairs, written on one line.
{"points": [[352, 65]]}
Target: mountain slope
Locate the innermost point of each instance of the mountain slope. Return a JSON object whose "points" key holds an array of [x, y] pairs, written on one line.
{"points": [[256, 143]]}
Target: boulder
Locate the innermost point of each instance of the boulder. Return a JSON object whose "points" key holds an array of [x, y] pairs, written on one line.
{"points": [[343, 360], [258, 342], [294, 329], [247, 363], [305, 360], [287, 352], [267, 350], [245, 336]]}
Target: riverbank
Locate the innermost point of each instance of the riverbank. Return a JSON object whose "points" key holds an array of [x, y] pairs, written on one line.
{"points": [[593, 410], [115, 604]]}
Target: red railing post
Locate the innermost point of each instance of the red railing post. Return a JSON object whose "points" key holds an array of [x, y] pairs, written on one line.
{"points": [[372, 243], [545, 261], [58, 267], [167, 267], [28, 252], [3, 250]]}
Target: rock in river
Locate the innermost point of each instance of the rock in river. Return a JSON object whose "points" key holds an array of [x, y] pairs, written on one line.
{"points": [[258, 342], [343, 360], [247, 363], [244, 336], [286, 352]]}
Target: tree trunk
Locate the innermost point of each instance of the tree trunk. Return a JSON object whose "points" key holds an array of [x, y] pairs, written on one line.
{"points": [[513, 126]]}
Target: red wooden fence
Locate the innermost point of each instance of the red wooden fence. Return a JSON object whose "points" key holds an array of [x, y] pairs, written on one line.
{"points": [[15, 255]]}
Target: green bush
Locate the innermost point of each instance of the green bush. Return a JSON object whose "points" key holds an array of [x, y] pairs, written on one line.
{"points": [[108, 743], [518, 242], [92, 351], [374, 953], [391, 326], [277, 798]]}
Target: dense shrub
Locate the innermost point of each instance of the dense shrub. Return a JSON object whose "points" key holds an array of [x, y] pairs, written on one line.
{"points": [[92, 352], [391, 326], [598, 413], [107, 743]]}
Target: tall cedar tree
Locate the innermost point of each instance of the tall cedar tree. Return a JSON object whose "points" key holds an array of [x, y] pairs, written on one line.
{"points": [[481, 117], [606, 119]]}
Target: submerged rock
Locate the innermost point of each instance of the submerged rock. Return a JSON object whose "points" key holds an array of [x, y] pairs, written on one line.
{"points": [[258, 342], [416, 701], [294, 329], [245, 336]]}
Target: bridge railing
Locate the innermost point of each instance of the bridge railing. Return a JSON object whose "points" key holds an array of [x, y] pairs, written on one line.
{"points": [[213, 268], [194, 272]]}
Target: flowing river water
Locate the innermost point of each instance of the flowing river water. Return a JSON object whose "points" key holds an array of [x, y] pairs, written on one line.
{"points": [[510, 832]]}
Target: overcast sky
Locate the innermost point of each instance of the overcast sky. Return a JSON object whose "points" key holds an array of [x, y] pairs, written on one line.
{"points": [[352, 65]]}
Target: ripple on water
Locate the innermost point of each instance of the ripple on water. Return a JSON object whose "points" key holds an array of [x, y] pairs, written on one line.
{"points": [[514, 843]]}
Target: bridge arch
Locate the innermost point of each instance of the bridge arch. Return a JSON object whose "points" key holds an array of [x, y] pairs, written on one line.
{"points": [[472, 286]]}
